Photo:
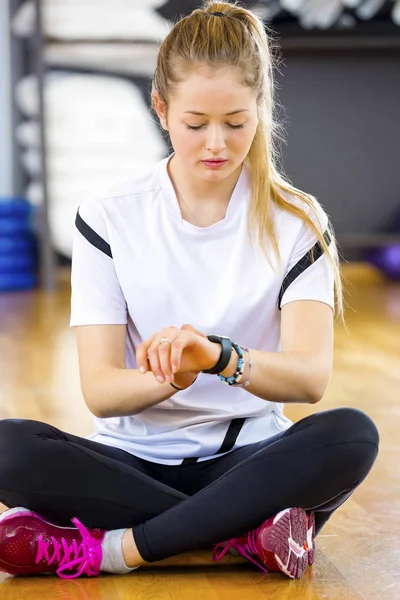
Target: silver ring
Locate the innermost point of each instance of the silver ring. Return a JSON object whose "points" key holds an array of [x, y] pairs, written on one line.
{"points": [[165, 340]]}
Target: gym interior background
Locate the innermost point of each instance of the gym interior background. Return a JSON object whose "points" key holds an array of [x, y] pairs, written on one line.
{"points": [[74, 119]]}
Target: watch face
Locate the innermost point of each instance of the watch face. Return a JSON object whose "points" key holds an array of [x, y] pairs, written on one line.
{"points": [[217, 338]]}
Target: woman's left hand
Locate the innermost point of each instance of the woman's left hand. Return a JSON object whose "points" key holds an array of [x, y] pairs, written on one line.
{"points": [[187, 350]]}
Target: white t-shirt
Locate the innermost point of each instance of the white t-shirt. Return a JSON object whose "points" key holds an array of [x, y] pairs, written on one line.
{"points": [[136, 262]]}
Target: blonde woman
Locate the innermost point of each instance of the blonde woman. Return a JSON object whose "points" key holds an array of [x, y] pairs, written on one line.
{"points": [[203, 297]]}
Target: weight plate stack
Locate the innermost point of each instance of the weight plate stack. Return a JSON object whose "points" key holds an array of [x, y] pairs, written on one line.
{"points": [[18, 246]]}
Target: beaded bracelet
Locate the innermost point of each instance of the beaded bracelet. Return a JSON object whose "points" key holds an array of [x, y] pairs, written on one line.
{"points": [[246, 383], [235, 378]]}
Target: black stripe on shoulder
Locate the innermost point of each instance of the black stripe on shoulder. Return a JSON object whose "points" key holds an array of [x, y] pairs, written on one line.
{"points": [[92, 236], [306, 261]]}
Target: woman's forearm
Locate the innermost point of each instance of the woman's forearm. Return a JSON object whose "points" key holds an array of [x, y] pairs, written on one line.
{"points": [[284, 376], [275, 376], [287, 377], [116, 392]]}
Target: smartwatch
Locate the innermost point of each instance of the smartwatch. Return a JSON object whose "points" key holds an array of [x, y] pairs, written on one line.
{"points": [[225, 356]]}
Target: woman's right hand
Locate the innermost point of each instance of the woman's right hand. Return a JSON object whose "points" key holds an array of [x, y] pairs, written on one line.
{"points": [[185, 380], [174, 351], [189, 347]]}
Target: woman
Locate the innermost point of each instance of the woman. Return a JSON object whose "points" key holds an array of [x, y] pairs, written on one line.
{"points": [[209, 269]]}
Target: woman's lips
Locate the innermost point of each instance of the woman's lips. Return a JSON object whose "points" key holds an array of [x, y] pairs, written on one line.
{"points": [[214, 164]]}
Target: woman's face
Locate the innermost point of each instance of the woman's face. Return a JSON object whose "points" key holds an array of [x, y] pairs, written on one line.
{"points": [[211, 115]]}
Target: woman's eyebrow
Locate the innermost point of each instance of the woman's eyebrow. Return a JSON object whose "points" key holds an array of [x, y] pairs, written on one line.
{"points": [[233, 112]]}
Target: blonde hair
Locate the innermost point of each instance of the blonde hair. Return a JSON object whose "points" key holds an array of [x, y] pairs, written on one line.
{"points": [[237, 37]]}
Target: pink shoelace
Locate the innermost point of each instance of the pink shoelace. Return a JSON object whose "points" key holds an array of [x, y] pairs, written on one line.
{"points": [[244, 549], [86, 556]]}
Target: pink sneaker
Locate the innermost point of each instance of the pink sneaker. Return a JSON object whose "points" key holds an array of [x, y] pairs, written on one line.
{"points": [[283, 543], [30, 545]]}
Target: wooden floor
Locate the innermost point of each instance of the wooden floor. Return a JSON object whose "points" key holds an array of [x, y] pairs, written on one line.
{"points": [[358, 552]]}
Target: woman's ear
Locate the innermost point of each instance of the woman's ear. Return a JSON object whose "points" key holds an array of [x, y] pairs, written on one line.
{"points": [[161, 110]]}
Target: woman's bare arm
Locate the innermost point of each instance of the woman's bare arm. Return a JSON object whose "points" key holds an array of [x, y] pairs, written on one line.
{"points": [[108, 387]]}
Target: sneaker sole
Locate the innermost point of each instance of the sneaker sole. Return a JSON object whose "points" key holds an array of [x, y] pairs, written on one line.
{"points": [[287, 538], [311, 538]]}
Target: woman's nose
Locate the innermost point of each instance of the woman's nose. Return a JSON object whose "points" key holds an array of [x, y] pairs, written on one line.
{"points": [[215, 141]]}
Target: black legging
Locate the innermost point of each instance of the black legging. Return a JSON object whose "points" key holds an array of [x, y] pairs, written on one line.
{"points": [[316, 465]]}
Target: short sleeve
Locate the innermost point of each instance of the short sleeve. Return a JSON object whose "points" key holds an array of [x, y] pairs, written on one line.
{"points": [[96, 295], [305, 278]]}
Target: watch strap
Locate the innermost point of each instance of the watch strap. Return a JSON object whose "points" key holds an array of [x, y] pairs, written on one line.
{"points": [[225, 356]]}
